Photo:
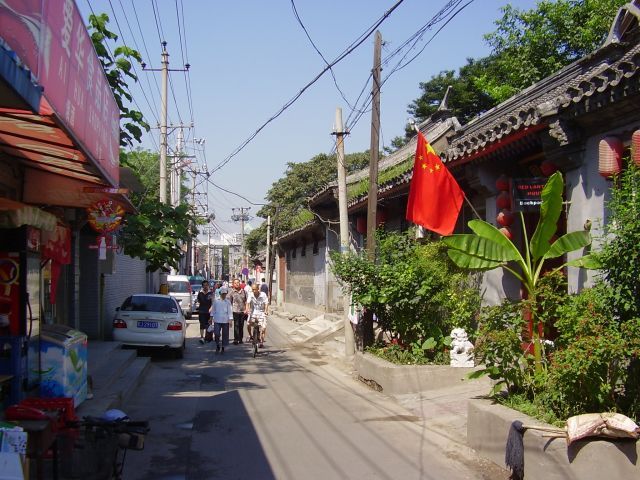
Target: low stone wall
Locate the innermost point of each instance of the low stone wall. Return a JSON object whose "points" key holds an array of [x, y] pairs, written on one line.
{"points": [[544, 458], [398, 379]]}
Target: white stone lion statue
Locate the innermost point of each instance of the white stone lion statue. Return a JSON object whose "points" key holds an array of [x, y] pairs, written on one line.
{"points": [[461, 352]]}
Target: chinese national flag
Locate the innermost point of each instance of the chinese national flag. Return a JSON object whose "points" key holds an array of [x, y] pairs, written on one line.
{"points": [[434, 195]]}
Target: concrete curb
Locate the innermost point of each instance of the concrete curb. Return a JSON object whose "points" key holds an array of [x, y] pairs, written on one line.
{"points": [[488, 428], [400, 379]]}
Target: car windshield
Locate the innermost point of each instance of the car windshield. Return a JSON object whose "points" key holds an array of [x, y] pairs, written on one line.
{"points": [[139, 303], [178, 287]]}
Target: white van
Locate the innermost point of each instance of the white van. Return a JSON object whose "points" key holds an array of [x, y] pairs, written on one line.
{"points": [[180, 289]]}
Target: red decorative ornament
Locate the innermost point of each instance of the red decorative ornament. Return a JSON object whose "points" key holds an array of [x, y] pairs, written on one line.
{"points": [[548, 168], [610, 156], [503, 200], [502, 183], [506, 231], [505, 218], [361, 225], [105, 216], [635, 147]]}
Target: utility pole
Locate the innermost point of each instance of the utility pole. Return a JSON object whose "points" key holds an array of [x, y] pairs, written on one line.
{"points": [[349, 341], [241, 217], [163, 124], [163, 115], [366, 326], [176, 170], [373, 161], [267, 272]]}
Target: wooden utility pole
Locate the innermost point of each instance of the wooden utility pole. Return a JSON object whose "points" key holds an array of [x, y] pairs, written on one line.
{"points": [[366, 326], [373, 160], [349, 343]]}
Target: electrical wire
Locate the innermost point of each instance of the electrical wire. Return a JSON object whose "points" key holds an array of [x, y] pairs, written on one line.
{"points": [[309, 84]]}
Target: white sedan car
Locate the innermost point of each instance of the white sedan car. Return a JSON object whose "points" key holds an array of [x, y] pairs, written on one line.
{"points": [[148, 320]]}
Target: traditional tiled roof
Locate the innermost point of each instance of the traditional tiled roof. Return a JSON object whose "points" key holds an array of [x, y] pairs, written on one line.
{"points": [[597, 73]]}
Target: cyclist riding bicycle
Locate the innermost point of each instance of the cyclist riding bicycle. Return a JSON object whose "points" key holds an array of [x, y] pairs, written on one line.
{"points": [[258, 309]]}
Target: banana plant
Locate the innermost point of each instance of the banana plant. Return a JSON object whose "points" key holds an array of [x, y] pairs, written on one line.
{"points": [[487, 248]]}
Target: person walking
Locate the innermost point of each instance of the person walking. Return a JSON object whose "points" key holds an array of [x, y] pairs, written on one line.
{"points": [[264, 287], [238, 299], [221, 314], [258, 309], [204, 305]]}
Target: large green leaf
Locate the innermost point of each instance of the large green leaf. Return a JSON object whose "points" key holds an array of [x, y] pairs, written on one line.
{"points": [[549, 214], [488, 231], [481, 247], [590, 262], [568, 243], [465, 260]]}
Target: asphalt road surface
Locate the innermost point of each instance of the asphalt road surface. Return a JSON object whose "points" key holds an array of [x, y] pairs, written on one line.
{"points": [[290, 413]]}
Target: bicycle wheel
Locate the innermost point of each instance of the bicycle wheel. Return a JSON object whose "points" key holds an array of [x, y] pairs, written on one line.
{"points": [[255, 340]]}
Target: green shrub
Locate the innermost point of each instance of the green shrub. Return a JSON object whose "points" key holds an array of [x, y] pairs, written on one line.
{"points": [[415, 291]]}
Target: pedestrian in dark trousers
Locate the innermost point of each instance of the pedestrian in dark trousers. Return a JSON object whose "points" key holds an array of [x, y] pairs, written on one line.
{"points": [[205, 298], [264, 287], [221, 314], [238, 298]]}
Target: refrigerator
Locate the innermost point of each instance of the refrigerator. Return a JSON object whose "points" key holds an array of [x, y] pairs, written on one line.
{"points": [[20, 300], [63, 362]]}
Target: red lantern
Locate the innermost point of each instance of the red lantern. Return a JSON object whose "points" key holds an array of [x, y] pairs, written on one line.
{"points": [[635, 147], [505, 218], [548, 168], [503, 200], [381, 216], [610, 156], [502, 183], [506, 231], [361, 225]]}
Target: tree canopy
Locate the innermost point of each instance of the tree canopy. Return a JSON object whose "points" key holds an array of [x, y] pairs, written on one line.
{"points": [[527, 46], [287, 197]]}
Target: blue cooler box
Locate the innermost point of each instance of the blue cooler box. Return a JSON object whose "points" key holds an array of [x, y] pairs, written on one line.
{"points": [[63, 363]]}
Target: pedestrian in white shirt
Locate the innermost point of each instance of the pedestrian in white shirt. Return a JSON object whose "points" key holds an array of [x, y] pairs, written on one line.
{"points": [[221, 314]]}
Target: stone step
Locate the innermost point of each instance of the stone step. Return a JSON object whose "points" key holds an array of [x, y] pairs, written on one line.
{"points": [[110, 368], [117, 392]]}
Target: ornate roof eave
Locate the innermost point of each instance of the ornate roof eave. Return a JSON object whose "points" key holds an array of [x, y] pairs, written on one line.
{"points": [[602, 70]]}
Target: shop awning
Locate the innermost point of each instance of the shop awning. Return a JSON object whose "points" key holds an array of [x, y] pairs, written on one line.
{"points": [[16, 214], [17, 87]]}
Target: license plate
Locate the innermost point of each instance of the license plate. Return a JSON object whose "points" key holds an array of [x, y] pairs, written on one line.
{"points": [[146, 324]]}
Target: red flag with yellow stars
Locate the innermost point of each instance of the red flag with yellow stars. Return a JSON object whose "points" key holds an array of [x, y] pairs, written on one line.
{"points": [[435, 198]]}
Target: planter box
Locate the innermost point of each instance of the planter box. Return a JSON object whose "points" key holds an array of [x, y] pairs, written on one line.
{"points": [[398, 379], [488, 427]]}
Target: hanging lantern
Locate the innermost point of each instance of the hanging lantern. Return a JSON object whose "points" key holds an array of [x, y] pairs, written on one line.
{"points": [[635, 147], [506, 231], [609, 156], [502, 183], [381, 216], [548, 168], [503, 200], [505, 218], [361, 225]]}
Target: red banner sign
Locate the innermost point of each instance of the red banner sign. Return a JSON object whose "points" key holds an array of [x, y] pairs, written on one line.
{"points": [[50, 38]]}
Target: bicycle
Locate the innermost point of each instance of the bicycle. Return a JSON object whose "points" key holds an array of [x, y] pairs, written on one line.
{"points": [[255, 337], [96, 450]]}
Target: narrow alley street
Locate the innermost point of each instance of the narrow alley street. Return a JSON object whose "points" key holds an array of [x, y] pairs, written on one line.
{"points": [[290, 413]]}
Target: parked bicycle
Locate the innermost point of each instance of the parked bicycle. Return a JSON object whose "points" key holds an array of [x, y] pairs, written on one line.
{"points": [[100, 449]]}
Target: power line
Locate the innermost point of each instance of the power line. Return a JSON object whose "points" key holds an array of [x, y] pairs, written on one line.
{"points": [[315, 79]]}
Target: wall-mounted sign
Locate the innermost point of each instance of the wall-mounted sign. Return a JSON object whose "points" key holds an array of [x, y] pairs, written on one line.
{"points": [[105, 216], [526, 193]]}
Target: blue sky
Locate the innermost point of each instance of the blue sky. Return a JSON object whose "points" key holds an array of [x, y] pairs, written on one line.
{"points": [[249, 57]]}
